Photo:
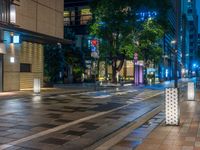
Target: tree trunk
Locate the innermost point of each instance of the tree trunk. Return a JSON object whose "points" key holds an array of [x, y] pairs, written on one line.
{"points": [[121, 63], [106, 70], [145, 75], [114, 69]]}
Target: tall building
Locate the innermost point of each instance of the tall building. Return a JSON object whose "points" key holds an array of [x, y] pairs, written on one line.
{"points": [[198, 56], [184, 21], [25, 26], [171, 42], [193, 33], [185, 38]]}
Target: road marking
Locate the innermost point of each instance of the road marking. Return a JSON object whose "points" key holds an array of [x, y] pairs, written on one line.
{"points": [[61, 127]]}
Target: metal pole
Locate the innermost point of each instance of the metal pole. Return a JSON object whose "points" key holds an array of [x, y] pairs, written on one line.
{"points": [[175, 72], [176, 46], [134, 72], [95, 73]]}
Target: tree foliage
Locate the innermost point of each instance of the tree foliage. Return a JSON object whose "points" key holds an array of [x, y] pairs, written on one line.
{"points": [[54, 61], [75, 57], [149, 39], [115, 24]]}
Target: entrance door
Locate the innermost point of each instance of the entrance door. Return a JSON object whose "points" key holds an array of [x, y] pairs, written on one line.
{"points": [[1, 72]]}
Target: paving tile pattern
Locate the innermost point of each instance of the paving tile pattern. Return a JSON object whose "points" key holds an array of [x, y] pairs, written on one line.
{"points": [[186, 136], [21, 118], [138, 136]]}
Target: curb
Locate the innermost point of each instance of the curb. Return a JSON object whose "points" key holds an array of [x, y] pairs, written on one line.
{"points": [[116, 137]]}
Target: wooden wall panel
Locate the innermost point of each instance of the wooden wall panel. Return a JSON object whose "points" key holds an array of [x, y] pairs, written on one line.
{"points": [[31, 53]]}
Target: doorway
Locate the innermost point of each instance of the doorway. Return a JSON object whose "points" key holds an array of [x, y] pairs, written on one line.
{"points": [[1, 72]]}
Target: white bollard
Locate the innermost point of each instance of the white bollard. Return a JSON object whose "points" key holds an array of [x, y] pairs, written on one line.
{"points": [[171, 106], [191, 91], [36, 86]]}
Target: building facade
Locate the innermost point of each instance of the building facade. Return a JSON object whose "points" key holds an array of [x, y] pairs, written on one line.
{"points": [[25, 26], [183, 20], [193, 34]]}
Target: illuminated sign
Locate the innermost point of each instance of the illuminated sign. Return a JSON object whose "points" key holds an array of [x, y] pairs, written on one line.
{"points": [[94, 48], [94, 45], [145, 15], [16, 39]]}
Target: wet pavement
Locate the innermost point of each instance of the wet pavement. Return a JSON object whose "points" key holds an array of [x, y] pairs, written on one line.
{"points": [[137, 136], [159, 136], [186, 136], [71, 120]]}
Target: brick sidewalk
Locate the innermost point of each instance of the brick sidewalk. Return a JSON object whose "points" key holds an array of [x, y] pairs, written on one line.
{"points": [[183, 137]]}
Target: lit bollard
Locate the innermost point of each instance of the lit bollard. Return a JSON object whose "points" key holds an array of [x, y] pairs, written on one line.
{"points": [[191, 91], [172, 106], [36, 86]]}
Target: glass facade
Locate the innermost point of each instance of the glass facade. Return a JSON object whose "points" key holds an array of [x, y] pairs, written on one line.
{"points": [[5, 11], [77, 16]]}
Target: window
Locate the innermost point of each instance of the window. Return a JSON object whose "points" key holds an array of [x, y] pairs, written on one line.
{"points": [[25, 67], [86, 15], [77, 16], [12, 14], [69, 17], [189, 11], [4, 11]]}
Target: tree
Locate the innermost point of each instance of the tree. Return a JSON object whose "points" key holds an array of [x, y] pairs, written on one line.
{"points": [[150, 46], [74, 56], [149, 42], [115, 23], [54, 61]]}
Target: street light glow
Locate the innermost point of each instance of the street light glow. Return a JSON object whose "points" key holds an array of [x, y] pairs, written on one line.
{"points": [[173, 42]]}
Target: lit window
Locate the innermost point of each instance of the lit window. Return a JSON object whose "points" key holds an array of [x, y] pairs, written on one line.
{"points": [[85, 11], [12, 14], [66, 13], [86, 15]]}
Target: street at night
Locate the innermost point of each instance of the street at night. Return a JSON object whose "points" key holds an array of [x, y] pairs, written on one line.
{"points": [[99, 75]]}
